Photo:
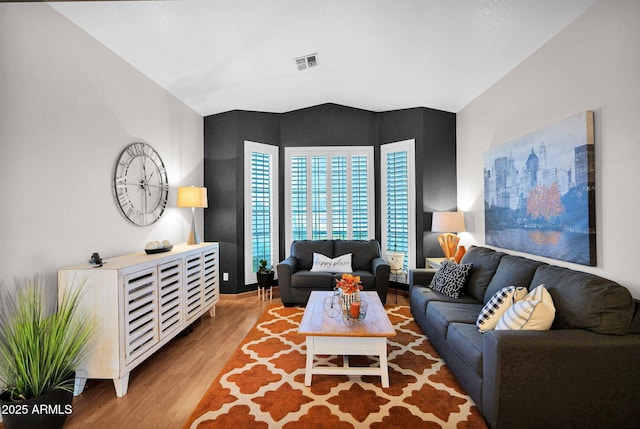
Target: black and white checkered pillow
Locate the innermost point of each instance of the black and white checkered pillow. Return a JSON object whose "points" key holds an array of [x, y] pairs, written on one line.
{"points": [[450, 278], [534, 312], [498, 305]]}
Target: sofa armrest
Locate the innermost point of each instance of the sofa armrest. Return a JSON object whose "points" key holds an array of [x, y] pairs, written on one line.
{"points": [[560, 378], [381, 270], [285, 269], [380, 264], [420, 277]]}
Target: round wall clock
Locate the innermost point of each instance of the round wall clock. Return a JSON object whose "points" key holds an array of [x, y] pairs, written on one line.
{"points": [[140, 184]]}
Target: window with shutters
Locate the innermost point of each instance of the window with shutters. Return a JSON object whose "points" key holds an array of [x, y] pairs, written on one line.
{"points": [[329, 193], [261, 207], [398, 200]]}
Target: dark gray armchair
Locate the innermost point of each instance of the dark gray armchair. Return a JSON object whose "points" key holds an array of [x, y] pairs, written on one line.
{"points": [[296, 281]]}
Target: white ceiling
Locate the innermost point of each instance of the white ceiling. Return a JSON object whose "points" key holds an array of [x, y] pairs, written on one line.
{"points": [[220, 55]]}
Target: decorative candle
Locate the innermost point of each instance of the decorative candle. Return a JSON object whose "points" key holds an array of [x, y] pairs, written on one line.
{"points": [[355, 309]]}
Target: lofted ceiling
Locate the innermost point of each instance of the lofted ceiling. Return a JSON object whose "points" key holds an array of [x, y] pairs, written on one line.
{"points": [[221, 55]]}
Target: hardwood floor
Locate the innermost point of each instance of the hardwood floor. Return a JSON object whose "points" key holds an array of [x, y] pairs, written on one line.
{"points": [[166, 388]]}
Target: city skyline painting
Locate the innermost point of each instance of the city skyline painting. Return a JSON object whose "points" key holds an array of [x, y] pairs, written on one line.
{"points": [[539, 192]]}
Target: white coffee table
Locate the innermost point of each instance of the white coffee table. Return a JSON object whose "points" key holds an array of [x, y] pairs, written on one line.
{"points": [[328, 336]]}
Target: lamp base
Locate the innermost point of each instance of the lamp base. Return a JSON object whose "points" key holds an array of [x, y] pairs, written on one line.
{"points": [[449, 243], [193, 237], [193, 234]]}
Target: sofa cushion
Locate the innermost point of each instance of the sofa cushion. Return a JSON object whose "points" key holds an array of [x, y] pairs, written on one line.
{"points": [[535, 312], [450, 278], [498, 305], [512, 271], [363, 252], [324, 264], [432, 296], [367, 279], [485, 262], [466, 341], [303, 251], [586, 301], [441, 314], [309, 280]]}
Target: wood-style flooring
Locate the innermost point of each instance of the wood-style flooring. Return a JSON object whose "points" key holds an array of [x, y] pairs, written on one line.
{"points": [[166, 387]]}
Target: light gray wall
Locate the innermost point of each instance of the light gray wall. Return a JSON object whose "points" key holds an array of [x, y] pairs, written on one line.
{"points": [[68, 106], [593, 64]]}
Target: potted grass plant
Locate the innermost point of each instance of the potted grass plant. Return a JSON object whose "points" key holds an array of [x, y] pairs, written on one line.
{"points": [[40, 349]]}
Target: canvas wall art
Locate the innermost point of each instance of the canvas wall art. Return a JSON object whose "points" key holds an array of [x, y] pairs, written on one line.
{"points": [[539, 192]]}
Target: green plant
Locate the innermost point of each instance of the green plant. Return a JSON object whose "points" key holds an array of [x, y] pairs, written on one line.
{"points": [[262, 267], [39, 349]]}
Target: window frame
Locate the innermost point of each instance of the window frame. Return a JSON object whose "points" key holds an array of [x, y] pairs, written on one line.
{"points": [[385, 149], [328, 151], [273, 151]]}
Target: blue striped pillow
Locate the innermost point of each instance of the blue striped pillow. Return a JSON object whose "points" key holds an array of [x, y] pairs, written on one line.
{"points": [[498, 305]]}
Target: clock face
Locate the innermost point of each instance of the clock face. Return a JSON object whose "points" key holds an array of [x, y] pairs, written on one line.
{"points": [[140, 184]]}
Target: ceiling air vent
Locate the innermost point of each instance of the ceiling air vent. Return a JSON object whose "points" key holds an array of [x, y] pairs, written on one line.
{"points": [[307, 61]]}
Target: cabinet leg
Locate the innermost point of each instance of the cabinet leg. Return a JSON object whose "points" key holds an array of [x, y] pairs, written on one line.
{"points": [[121, 385], [80, 382], [212, 312]]}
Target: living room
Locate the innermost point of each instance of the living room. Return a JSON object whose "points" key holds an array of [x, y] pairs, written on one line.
{"points": [[70, 104]]}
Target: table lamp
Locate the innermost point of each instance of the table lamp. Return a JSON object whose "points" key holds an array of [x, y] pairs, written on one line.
{"points": [[448, 222], [194, 197]]}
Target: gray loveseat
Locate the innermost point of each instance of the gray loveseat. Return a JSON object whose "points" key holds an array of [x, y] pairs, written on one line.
{"points": [[582, 373], [296, 281]]}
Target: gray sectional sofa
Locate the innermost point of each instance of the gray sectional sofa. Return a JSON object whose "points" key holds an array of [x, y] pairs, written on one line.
{"points": [[296, 281], [582, 373]]}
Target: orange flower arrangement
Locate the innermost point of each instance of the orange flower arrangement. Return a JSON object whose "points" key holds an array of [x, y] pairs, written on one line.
{"points": [[349, 283]]}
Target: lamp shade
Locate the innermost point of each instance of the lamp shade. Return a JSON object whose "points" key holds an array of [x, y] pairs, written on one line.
{"points": [[192, 196], [448, 222]]}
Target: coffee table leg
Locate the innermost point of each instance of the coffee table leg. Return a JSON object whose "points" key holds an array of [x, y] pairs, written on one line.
{"points": [[309, 366], [377, 346], [384, 368]]}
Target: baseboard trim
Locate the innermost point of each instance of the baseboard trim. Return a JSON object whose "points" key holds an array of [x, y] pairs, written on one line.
{"points": [[248, 294]]}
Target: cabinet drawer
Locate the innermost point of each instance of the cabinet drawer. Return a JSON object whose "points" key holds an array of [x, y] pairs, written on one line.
{"points": [[171, 307], [193, 287], [211, 277], [140, 312]]}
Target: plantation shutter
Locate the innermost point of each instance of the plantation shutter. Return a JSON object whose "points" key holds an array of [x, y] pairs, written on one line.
{"points": [[261, 203], [330, 193], [397, 193]]}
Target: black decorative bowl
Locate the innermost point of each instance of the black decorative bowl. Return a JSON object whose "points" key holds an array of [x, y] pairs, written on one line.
{"points": [[152, 251]]}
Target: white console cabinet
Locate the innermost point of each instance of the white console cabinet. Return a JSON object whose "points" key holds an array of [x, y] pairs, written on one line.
{"points": [[140, 302]]}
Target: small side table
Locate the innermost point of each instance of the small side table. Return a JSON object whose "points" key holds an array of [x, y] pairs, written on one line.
{"points": [[434, 262], [397, 274]]}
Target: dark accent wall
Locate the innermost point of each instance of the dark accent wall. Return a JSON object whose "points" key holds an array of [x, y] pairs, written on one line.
{"points": [[323, 125], [224, 137], [434, 132], [328, 125]]}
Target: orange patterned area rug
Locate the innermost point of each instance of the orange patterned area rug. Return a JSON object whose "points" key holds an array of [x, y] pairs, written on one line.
{"points": [[262, 385]]}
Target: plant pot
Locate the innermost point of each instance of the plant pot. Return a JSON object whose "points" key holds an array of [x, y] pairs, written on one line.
{"points": [[48, 411], [265, 279]]}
